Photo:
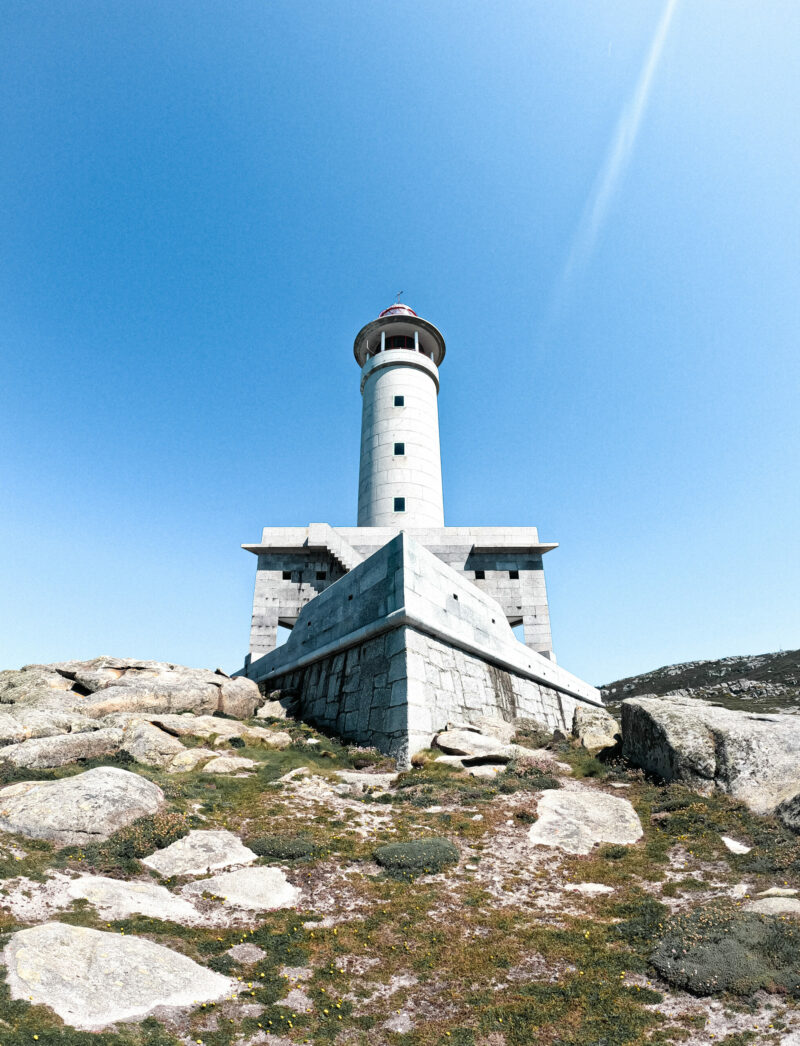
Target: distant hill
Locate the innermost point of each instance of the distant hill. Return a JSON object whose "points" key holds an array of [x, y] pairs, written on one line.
{"points": [[755, 683]]}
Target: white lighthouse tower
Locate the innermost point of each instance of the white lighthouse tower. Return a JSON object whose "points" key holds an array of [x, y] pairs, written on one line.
{"points": [[400, 624], [400, 474]]}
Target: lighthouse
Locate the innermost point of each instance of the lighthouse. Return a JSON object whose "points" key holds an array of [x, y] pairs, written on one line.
{"points": [[400, 471], [400, 624]]}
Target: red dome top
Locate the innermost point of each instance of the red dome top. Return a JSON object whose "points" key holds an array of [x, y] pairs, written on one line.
{"points": [[398, 309]]}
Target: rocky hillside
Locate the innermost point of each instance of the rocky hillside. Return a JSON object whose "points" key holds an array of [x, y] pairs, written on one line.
{"points": [[756, 683], [184, 865]]}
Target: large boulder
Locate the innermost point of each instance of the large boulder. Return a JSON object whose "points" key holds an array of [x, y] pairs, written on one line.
{"points": [[75, 811], [43, 752], [91, 978], [576, 820], [754, 758], [595, 728]]}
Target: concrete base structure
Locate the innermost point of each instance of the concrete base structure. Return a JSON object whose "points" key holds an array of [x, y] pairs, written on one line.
{"points": [[404, 644], [295, 564]]}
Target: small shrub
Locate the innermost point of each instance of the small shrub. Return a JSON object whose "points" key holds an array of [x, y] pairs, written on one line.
{"points": [[138, 839], [284, 847], [713, 950], [520, 776], [416, 857], [615, 853], [236, 742]]}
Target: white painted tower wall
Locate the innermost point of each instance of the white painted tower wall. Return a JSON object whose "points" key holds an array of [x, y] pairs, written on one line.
{"points": [[415, 474]]}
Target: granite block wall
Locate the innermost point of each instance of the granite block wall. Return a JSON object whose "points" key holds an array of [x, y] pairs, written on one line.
{"points": [[397, 690]]}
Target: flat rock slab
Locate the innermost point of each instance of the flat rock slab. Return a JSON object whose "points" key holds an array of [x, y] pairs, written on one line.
{"points": [[471, 742], [117, 899], [575, 821], [589, 889], [362, 782], [92, 978], [42, 752], [247, 953], [735, 846], [228, 764], [774, 906], [75, 811], [255, 889], [200, 852]]}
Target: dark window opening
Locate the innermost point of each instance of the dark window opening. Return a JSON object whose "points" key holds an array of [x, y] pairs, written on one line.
{"points": [[321, 575], [514, 575], [399, 401], [399, 504], [480, 575], [287, 575], [455, 595], [399, 448]]}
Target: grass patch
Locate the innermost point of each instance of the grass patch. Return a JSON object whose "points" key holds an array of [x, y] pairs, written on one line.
{"points": [[285, 847], [417, 857]]}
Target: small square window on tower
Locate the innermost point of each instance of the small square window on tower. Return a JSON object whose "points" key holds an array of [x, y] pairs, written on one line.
{"points": [[514, 575], [321, 575], [399, 448], [480, 575], [399, 401], [287, 575], [399, 504]]}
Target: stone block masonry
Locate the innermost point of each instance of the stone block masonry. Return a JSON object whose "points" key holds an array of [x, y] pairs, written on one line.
{"points": [[404, 644]]}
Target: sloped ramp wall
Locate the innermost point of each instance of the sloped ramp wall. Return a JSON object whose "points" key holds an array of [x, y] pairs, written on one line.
{"points": [[397, 690]]}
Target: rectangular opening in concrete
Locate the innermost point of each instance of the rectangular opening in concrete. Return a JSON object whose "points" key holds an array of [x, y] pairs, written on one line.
{"points": [[321, 575], [480, 575], [514, 575], [287, 575], [399, 448], [399, 401], [399, 504]]}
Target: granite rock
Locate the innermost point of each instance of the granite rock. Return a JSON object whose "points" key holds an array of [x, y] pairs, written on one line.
{"points": [[754, 758], [78, 810], [577, 819], [595, 728], [200, 852], [117, 899], [91, 978], [151, 746], [255, 889], [42, 752]]}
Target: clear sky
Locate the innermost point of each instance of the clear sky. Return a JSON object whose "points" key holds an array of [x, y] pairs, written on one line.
{"points": [[597, 203]]}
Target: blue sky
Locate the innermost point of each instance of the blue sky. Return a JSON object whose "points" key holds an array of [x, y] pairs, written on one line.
{"points": [[203, 202]]}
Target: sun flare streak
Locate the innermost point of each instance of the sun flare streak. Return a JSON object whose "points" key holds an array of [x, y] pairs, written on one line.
{"points": [[618, 155]]}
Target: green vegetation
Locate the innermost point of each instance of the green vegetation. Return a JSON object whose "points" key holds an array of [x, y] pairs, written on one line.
{"points": [[120, 853], [717, 681], [284, 847], [472, 966], [713, 950], [417, 857]]}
